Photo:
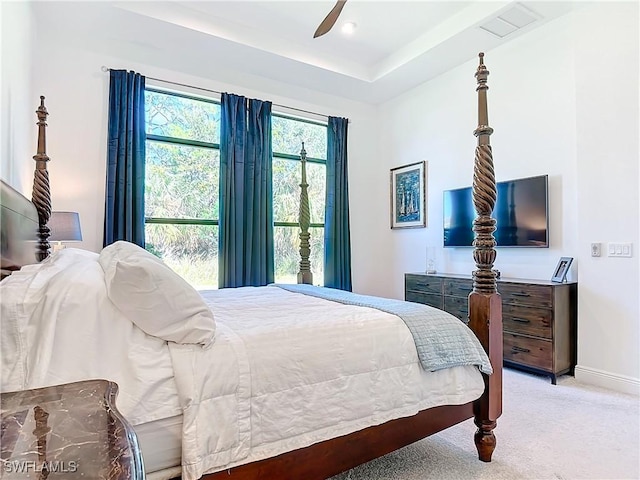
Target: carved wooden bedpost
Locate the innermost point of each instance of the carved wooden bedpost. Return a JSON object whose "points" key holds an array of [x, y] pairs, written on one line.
{"points": [[485, 305], [41, 196], [304, 219]]}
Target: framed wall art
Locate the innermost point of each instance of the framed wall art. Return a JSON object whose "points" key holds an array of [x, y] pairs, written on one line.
{"points": [[408, 196]]}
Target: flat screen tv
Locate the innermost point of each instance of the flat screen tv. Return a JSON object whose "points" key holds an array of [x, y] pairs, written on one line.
{"points": [[521, 214]]}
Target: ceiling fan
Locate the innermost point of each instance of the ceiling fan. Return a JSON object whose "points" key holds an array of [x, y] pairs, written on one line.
{"points": [[330, 20]]}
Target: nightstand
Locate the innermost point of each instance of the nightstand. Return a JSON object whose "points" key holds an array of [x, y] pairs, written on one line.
{"points": [[67, 431]]}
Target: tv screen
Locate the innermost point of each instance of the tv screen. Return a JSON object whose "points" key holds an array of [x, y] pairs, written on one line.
{"points": [[521, 214]]}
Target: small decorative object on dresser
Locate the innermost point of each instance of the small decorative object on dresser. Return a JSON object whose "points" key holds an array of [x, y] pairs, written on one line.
{"points": [[408, 196], [539, 317], [431, 260], [68, 430], [560, 273]]}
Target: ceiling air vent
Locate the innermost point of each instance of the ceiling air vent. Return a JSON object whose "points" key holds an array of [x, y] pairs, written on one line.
{"points": [[509, 21]]}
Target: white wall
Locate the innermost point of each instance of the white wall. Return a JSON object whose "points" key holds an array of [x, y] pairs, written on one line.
{"points": [[17, 123], [435, 122], [607, 84], [563, 100]]}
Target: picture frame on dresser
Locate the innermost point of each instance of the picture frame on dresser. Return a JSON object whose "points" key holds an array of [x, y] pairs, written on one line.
{"points": [[408, 196], [561, 270]]}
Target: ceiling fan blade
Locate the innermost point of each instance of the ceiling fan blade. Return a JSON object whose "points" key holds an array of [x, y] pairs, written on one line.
{"points": [[330, 19]]}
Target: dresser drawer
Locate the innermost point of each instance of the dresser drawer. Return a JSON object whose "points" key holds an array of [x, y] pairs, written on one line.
{"points": [[528, 320], [423, 283], [426, 298], [458, 307], [526, 294], [533, 352], [457, 287]]}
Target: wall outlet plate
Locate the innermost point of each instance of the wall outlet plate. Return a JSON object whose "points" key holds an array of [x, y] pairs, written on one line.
{"points": [[595, 250]]}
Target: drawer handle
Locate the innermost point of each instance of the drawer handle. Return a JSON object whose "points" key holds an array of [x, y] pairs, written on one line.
{"points": [[521, 320], [517, 294], [515, 349]]}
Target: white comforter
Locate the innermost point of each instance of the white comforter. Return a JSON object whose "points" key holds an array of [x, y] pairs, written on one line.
{"points": [[285, 371], [290, 370]]}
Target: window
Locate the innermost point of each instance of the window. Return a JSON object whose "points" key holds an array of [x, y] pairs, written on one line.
{"points": [[182, 186], [288, 134]]}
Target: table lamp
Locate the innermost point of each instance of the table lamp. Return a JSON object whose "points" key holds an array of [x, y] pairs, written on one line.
{"points": [[65, 227]]}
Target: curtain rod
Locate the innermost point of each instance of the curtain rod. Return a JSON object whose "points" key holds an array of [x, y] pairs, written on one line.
{"points": [[107, 69]]}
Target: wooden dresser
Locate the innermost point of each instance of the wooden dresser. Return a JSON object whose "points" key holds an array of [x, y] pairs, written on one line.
{"points": [[539, 317]]}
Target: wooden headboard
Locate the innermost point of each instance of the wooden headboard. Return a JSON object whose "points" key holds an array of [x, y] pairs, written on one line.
{"points": [[18, 230]]}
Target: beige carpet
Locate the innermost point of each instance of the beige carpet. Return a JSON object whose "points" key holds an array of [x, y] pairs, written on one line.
{"points": [[565, 431]]}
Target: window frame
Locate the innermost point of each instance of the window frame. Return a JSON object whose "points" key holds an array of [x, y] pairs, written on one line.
{"points": [[292, 157]]}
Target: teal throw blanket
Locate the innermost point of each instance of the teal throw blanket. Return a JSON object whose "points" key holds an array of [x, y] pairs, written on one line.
{"points": [[442, 341]]}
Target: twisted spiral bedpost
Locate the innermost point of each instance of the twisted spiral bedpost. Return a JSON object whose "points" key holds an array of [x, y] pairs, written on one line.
{"points": [[41, 196], [304, 219], [484, 192], [485, 304]]}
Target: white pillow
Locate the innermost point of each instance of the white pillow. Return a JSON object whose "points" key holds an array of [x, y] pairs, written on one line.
{"points": [[154, 297]]}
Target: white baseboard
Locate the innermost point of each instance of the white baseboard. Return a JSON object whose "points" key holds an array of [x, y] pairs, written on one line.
{"points": [[612, 381]]}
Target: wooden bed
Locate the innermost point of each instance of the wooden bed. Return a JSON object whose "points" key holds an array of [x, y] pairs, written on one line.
{"points": [[324, 459]]}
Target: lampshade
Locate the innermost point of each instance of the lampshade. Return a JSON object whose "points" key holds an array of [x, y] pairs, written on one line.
{"points": [[65, 227]]}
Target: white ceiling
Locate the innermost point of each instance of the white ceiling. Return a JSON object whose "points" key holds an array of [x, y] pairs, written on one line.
{"points": [[397, 44]]}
